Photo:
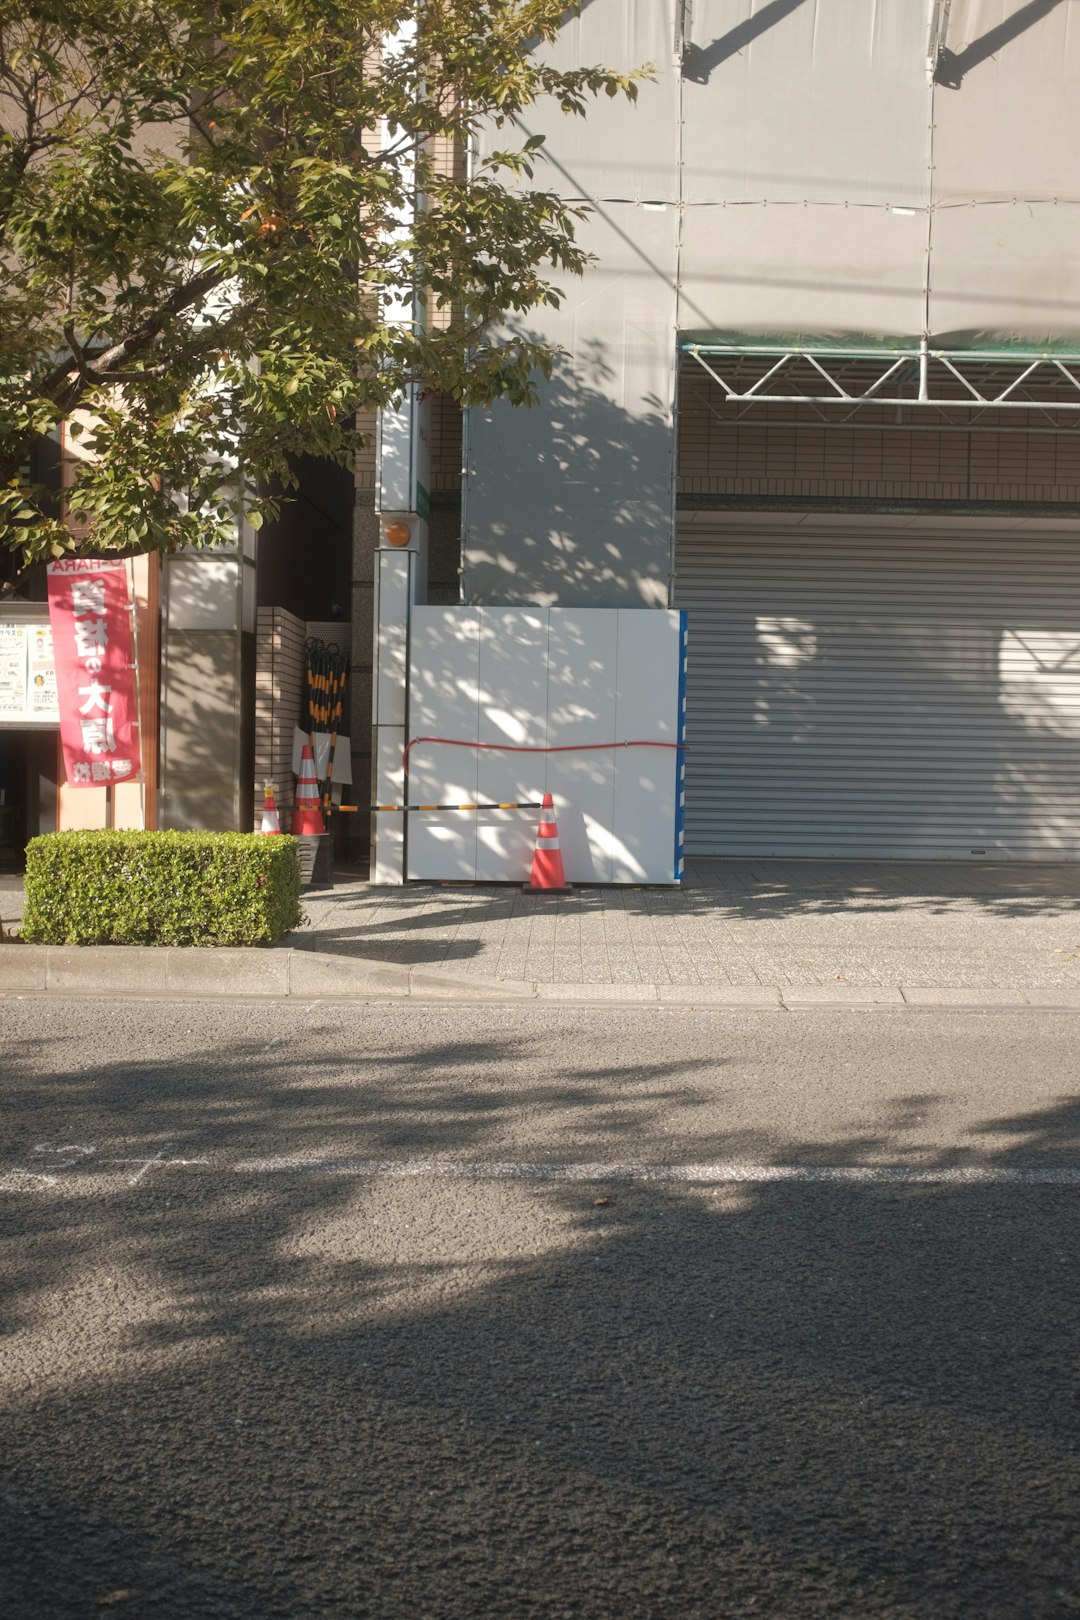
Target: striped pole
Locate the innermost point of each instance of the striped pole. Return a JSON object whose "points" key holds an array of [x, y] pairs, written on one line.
{"points": [[408, 809]]}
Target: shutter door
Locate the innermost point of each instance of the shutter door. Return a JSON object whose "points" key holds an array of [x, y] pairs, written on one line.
{"points": [[892, 687]]}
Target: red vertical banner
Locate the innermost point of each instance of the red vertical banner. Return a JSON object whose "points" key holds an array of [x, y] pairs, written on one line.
{"points": [[97, 689]]}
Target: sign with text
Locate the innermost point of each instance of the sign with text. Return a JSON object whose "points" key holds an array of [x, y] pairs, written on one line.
{"points": [[89, 609], [27, 676]]}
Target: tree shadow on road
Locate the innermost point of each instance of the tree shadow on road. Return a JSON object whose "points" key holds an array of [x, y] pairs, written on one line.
{"points": [[301, 1393]]}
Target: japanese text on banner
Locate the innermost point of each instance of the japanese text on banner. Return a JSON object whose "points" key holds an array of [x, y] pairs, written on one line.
{"points": [[95, 671]]}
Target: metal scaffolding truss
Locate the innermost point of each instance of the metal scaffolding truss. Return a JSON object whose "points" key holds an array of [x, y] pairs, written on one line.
{"points": [[847, 379]]}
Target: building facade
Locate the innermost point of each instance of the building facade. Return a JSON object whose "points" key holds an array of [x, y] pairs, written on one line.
{"points": [[820, 390]]}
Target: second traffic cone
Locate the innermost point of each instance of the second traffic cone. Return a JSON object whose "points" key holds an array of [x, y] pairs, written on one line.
{"points": [[307, 821], [271, 821], [547, 867]]}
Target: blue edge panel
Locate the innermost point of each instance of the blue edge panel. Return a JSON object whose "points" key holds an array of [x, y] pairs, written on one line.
{"points": [[680, 757]]}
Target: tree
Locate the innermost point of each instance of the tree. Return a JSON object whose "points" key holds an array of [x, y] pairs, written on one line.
{"points": [[202, 236]]}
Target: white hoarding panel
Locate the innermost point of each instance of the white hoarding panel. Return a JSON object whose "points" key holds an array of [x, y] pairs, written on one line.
{"points": [[444, 693], [571, 680], [646, 779], [442, 846], [512, 710], [583, 648]]}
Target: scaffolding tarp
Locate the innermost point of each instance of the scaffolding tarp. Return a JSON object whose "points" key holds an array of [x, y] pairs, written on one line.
{"points": [[571, 502], [837, 179], [621, 151]]}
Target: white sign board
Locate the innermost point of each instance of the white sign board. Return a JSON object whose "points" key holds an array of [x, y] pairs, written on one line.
{"points": [[27, 674]]}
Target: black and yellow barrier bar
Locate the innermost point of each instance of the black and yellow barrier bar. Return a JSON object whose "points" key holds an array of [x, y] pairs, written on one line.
{"points": [[404, 809]]}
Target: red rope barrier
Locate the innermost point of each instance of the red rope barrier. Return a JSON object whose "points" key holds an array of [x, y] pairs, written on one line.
{"points": [[520, 748]]}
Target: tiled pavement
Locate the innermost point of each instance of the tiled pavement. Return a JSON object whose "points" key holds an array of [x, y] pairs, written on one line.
{"points": [[735, 923], [794, 924]]}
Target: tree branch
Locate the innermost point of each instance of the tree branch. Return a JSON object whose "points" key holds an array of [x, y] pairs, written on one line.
{"points": [[77, 354], [65, 389]]}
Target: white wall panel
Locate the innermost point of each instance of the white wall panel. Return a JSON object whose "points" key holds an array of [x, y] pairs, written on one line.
{"points": [[443, 701], [544, 678], [512, 709], [646, 779], [581, 709]]}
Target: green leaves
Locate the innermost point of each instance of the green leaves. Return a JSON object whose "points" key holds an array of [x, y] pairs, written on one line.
{"points": [[160, 888], [204, 231]]}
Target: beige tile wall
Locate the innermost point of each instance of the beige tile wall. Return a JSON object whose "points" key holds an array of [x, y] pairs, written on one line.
{"points": [[788, 451]]}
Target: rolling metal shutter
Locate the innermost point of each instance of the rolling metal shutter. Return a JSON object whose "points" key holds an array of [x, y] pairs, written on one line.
{"points": [[882, 686]]}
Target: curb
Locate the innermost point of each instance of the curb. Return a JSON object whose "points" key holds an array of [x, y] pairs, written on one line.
{"points": [[296, 971]]}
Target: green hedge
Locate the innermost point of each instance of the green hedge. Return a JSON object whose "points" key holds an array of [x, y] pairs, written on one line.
{"points": [[160, 888]]}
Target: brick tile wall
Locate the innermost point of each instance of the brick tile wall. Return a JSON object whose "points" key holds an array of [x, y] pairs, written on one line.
{"points": [[365, 457], [279, 683], [788, 451], [445, 443]]}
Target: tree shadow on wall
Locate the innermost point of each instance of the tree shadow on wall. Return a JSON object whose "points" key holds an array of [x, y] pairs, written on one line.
{"points": [[606, 476]]}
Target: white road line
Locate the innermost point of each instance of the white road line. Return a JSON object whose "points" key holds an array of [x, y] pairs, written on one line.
{"points": [[26, 1178], [703, 1174], [159, 1161], [478, 1170], [146, 1163]]}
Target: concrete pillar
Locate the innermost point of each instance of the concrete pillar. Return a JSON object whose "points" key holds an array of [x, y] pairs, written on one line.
{"points": [[208, 688]]}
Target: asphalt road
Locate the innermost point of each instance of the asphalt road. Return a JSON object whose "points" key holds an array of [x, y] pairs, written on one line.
{"points": [[338, 1311]]}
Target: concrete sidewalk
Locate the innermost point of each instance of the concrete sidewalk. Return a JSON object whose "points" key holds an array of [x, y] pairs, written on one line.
{"points": [[740, 933], [737, 924]]}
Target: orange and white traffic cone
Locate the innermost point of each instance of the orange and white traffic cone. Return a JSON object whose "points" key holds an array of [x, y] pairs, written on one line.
{"points": [[547, 868], [271, 821], [307, 821]]}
